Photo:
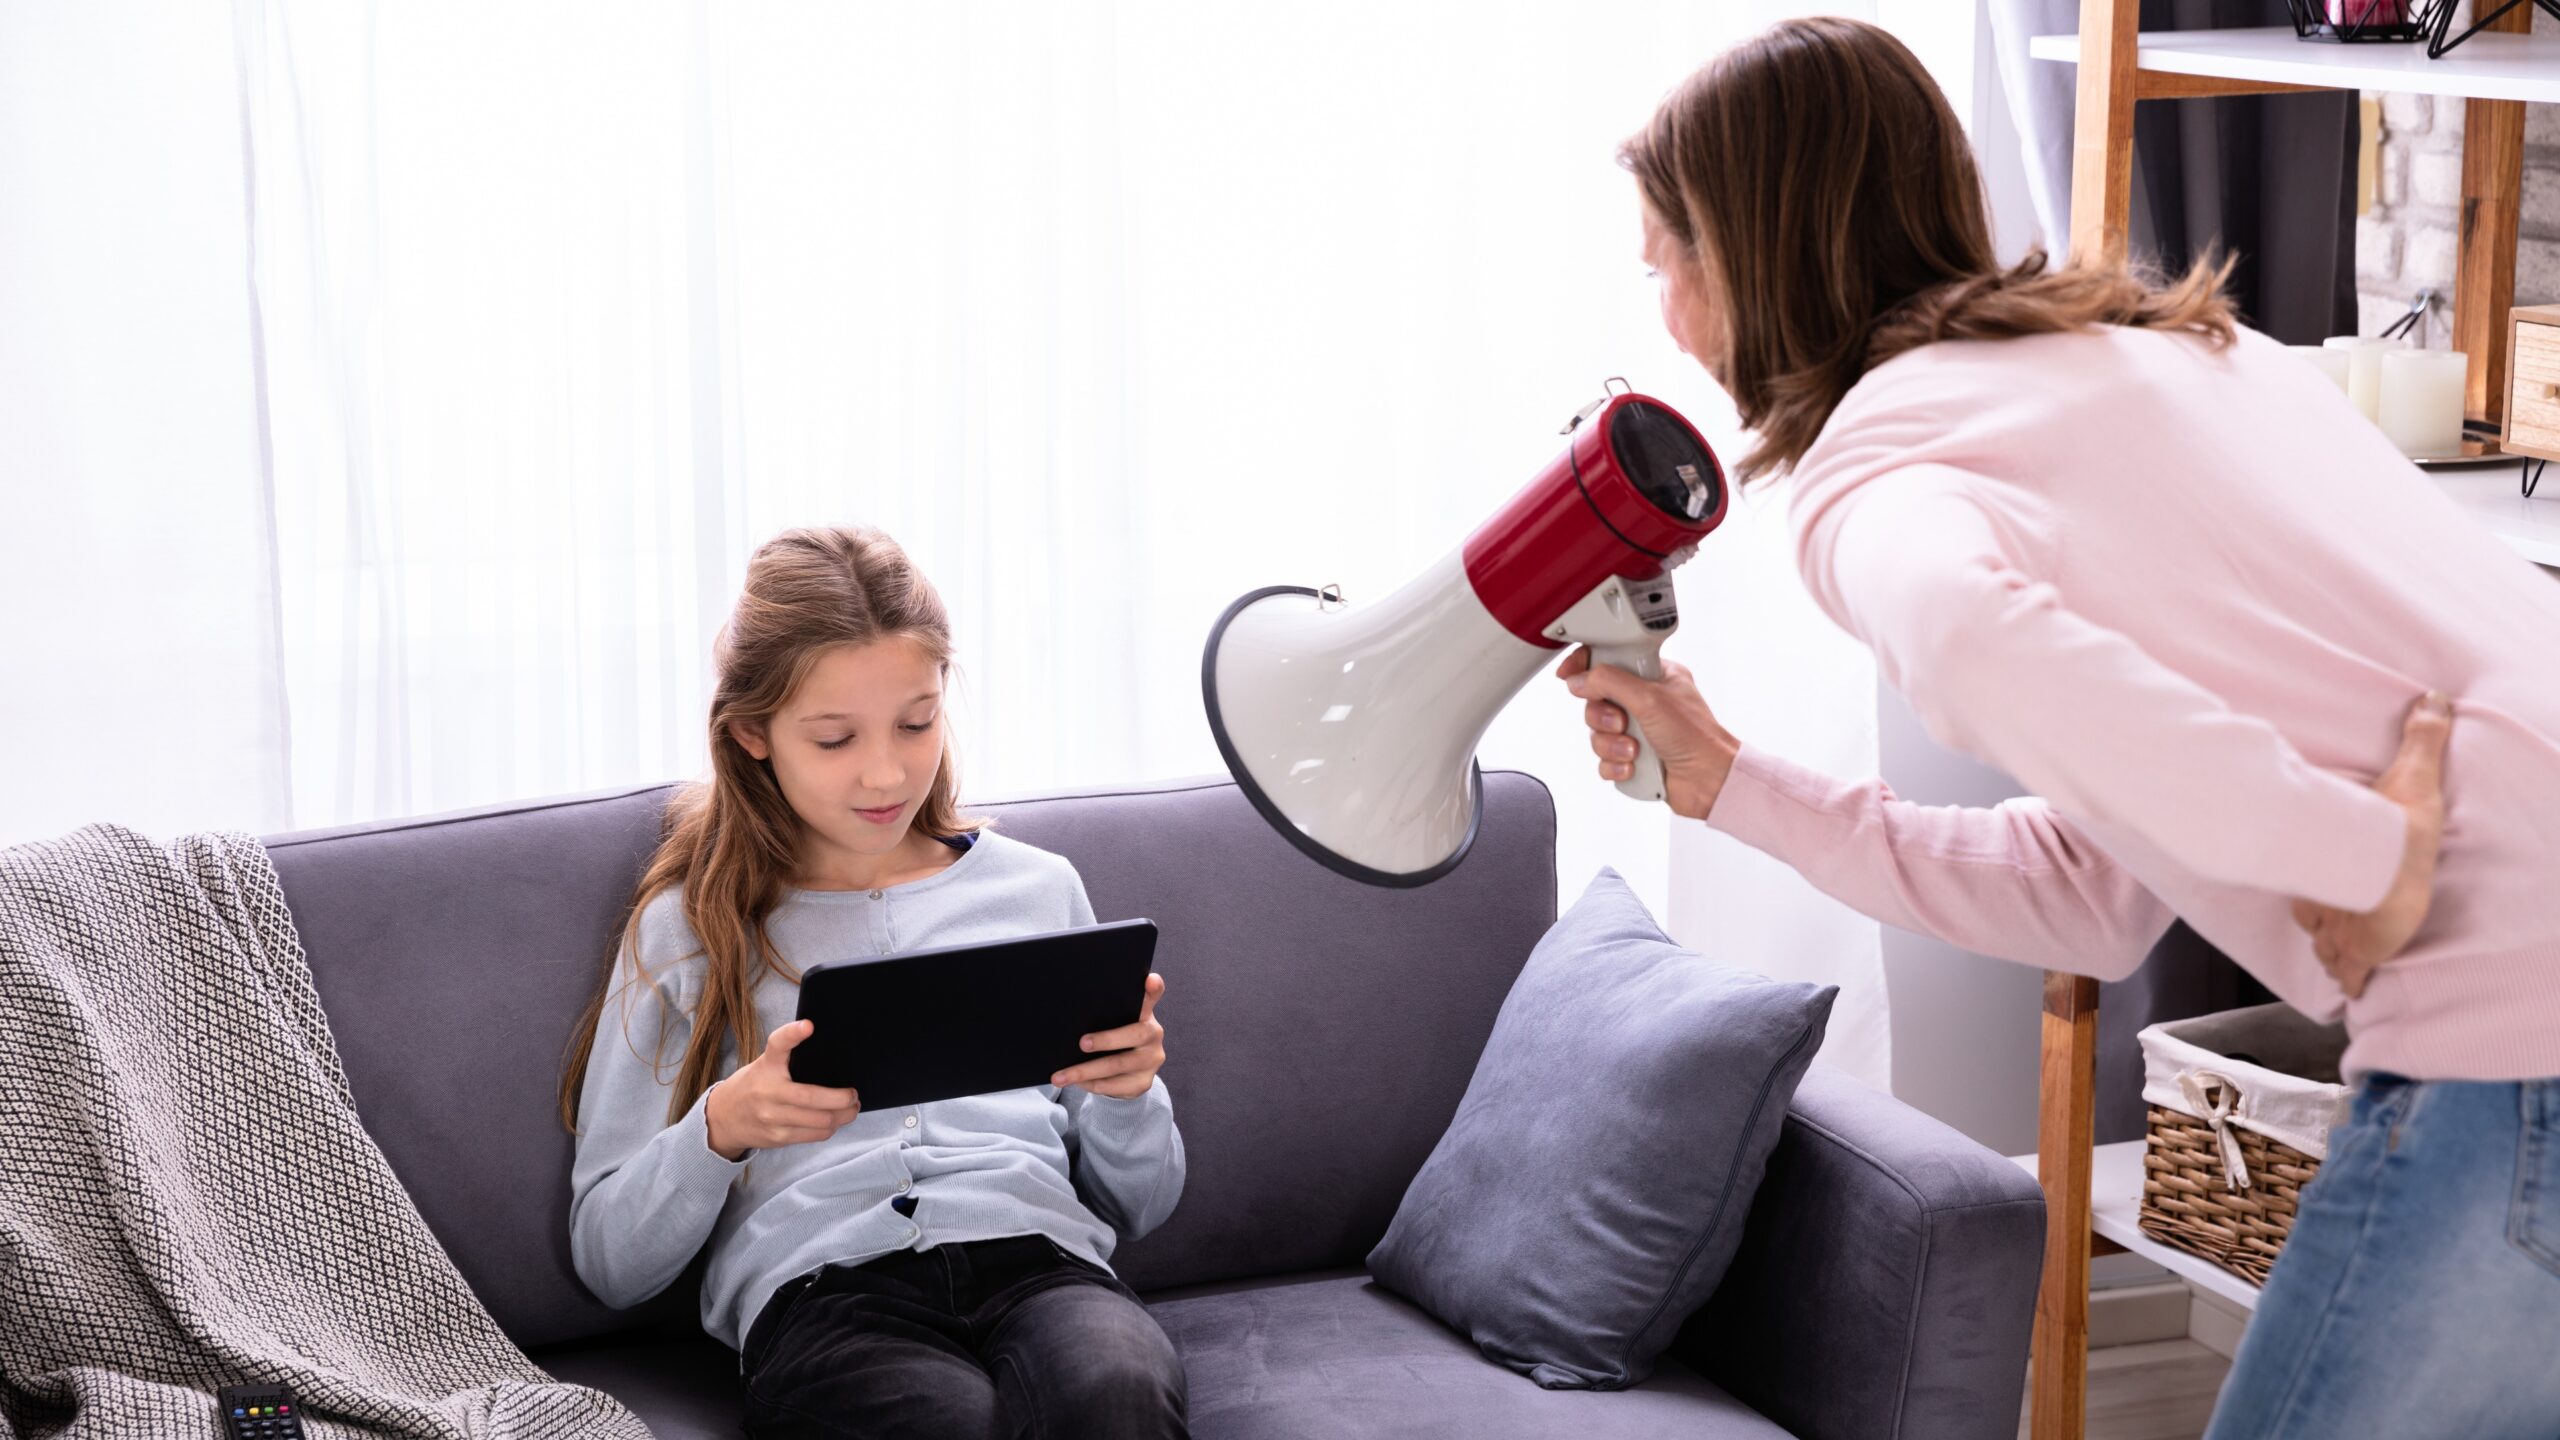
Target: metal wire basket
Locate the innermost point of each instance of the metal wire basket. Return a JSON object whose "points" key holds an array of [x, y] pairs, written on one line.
{"points": [[2398, 21]]}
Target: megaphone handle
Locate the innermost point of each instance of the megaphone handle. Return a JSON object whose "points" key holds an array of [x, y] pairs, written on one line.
{"points": [[1645, 660]]}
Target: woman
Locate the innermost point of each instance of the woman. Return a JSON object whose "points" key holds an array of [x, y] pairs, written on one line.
{"points": [[2153, 566]]}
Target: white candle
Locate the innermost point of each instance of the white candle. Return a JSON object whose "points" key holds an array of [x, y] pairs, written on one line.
{"points": [[2421, 403], [2364, 370], [2332, 363]]}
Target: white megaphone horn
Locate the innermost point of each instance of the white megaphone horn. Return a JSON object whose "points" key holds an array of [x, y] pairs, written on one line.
{"points": [[1353, 729]]}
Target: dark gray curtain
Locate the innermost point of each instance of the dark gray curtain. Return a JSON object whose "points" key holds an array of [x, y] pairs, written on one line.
{"points": [[2272, 180], [2269, 178]]}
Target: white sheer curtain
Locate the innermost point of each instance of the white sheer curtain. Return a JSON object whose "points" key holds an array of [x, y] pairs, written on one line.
{"points": [[498, 371], [140, 677], [1110, 312]]}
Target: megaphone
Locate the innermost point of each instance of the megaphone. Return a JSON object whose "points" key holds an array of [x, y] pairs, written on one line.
{"points": [[1353, 729]]}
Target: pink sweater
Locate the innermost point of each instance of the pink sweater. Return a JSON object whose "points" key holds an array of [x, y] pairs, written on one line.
{"points": [[2185, 597]]}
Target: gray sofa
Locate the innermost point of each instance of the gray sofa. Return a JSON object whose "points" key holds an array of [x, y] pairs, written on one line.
{"points": [[1321, 1034]]}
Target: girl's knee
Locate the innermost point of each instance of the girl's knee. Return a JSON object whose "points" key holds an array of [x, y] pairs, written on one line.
{"points": [[1134, 1395]]}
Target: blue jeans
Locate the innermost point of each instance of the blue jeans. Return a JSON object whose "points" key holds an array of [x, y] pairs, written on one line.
{"points": [[2418, 1294], [976, 1340]]}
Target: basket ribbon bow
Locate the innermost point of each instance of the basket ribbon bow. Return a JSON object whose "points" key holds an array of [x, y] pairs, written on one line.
{"points": [[2214, 1098]]}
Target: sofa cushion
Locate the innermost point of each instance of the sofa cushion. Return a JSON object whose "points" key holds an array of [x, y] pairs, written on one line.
{"points": [[1593, 1187], [1328, 1353], [454, 953], [1339, 1356]]}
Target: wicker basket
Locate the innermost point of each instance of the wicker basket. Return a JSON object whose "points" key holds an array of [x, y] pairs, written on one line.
{"points": [[2186, 1201], [2240, 1105]]}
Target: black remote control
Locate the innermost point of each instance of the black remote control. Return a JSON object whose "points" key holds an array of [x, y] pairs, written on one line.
{"points": [[259, 1412]]}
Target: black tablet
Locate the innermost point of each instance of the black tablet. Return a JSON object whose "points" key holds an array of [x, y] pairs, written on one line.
{"points": [[970, 1019]]}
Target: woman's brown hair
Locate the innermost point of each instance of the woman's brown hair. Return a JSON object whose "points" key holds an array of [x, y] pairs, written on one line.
{"points": [[732, 842], [1828, 199]]}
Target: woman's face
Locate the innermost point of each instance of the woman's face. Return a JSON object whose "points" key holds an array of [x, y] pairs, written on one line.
{"points": [[856, 747], [1688, 312]]}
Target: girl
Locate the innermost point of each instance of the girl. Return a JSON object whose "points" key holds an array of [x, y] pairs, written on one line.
{"points": [[933, 1272], [2105, 538]]}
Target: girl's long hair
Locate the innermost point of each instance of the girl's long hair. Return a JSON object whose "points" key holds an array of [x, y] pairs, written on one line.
{"points": [[1828, 198], [732, 842]]}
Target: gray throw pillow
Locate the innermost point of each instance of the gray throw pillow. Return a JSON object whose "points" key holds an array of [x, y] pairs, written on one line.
{"points": [[1591, 1191]]}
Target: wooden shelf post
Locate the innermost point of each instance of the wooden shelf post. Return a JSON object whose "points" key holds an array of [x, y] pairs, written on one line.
{"points": [[2058, 1370], [2066, 1138], [2484, 277], [2102, 130]]}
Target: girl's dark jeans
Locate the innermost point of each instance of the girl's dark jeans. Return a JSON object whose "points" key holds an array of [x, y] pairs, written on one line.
{"points": [[969, 1341]]}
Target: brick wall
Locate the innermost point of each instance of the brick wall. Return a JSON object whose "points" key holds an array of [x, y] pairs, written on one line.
{"points": [[2406, 243]]}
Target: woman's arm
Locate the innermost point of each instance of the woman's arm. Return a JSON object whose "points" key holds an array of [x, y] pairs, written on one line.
{"points": [[1996, 665], [2015, 881], [644, 1195]]}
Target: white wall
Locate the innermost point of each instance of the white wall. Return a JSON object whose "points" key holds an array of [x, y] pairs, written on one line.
{"points": [[1996, 150], [1965, 1026]]}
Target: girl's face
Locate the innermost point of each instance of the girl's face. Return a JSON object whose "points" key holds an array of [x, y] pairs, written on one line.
{"points": [[856, 747], [1688, 310]]}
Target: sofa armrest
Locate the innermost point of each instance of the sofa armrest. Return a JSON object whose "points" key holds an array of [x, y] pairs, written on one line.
{"points": [[1886, 1284]]}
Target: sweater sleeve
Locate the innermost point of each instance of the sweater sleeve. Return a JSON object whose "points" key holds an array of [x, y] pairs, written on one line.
{"points": [[1125, 1155], [644, 1194], [1997, 665], [2015, 881]]}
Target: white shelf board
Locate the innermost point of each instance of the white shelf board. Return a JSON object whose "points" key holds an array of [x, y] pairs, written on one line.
{"points": [[2115, 1201], [2492, 65], [2494, 496]]}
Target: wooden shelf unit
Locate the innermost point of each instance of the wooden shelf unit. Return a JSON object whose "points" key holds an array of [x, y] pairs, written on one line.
{"points": [[2488, 66], [2494, 74]]}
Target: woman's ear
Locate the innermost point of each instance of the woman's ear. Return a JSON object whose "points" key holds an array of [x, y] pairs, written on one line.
{"points": [[750, 735]]}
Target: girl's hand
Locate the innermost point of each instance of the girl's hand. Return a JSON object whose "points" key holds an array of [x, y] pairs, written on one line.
{"points": [[2352, 946], [762, 1108], [1124, 1076], [1696, 752]]}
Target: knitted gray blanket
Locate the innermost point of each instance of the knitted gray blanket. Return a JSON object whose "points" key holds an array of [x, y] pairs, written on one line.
{"points": [[187, 1199]]}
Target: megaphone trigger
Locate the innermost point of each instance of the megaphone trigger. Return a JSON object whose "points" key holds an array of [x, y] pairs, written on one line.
{"points": [[1625, 622]]}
